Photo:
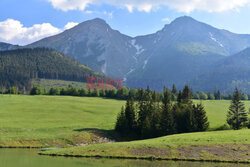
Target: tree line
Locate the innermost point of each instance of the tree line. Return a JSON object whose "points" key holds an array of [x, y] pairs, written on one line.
{"points": [[151, 116]]}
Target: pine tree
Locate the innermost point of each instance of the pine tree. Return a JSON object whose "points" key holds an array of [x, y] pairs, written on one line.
{"points": [[146, 128], [121, 122], [146, 109], [167, 120], [200, 118], [179, 97], [217, 94], [174, 90], [130, 115], [188, 120], [237, 116], [186, 95]]}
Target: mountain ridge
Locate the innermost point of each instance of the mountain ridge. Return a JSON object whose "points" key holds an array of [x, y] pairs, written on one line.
{"points": [[180, 51]]}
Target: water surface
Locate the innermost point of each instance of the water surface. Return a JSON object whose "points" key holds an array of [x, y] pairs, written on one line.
{"points": [[30, 158]]}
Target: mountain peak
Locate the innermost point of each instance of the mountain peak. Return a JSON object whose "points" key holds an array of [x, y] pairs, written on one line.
{"points": [[98, 21], [184, 20]]}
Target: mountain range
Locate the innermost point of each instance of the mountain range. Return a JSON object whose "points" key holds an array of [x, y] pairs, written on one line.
{"points": [[185, 51]]}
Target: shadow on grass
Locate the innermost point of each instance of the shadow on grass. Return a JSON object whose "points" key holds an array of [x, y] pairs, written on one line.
{"points": [[110, 134]]}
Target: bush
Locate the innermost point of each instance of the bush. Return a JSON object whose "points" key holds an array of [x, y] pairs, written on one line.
{"points": [[203, 96], [224, 127], [36, 90]]}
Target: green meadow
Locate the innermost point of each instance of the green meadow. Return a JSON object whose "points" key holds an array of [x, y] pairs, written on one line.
{"points": [[40, 121], [59, 120], [65, 121]]}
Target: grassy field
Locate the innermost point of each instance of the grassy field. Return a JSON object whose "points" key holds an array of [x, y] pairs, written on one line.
{"points": [[54, 120], [223, 146], [64, 121], [59, 120], [217, 111]]}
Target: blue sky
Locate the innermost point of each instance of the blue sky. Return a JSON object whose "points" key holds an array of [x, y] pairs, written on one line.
{"points": [[23, 22]]}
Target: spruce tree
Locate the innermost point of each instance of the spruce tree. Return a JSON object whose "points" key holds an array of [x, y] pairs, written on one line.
{"points": [[121, 122], [200, 118], [179, 97], [146, 131], [186, 95], [167, 120], [130, 115], [146, 109], [174, 90], [237, 116]]}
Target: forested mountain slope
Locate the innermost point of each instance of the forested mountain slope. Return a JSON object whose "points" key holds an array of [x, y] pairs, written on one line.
{"points": [[18, 67]]}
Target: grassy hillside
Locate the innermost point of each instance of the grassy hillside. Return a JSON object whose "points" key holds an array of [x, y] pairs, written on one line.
{"points": [[226, 146], [64, 120]]}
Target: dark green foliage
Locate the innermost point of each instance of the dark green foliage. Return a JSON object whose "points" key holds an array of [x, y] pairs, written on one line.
{"points": [[237, 115], [54, 91], [151, 117], [179, 97], [244, 97], [200, 118], [210, 96], [123, 93], [130, 115], [36, 90], [95, 93], [121, 122], [203, 96], [186, 95], [83, 92], [145, 111], [217, 94], [167, 121], [18, 67], [174, 90]]}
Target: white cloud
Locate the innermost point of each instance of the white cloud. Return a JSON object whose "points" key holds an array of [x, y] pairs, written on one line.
{"points": [[70, 25], [109, 14], [13, 31], [89, 12], [165, 19], [66, 5], [148, 5], [207, 5]]}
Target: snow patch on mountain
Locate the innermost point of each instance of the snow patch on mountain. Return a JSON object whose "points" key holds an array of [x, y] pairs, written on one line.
{"points": [[130, 71], [139, 48], [145, 63], [215, 40]]}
